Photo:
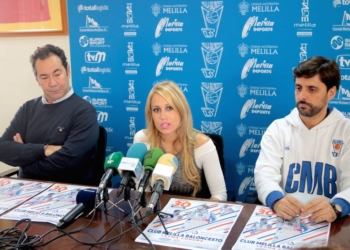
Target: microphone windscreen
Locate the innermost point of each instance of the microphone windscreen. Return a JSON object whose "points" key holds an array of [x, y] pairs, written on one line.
{"points": [[87, 198], [137, 150], [151, 158], [113, 160], [169, 160]]}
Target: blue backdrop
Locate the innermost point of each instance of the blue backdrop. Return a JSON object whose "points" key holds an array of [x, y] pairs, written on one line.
{"points": [[232, 59]]}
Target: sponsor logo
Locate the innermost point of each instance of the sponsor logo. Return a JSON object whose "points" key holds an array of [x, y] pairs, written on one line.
{"points": [[95, 87], [345, 77], [212, 12], [303, 52], [91, 25], [343, 61], [241, 129], [251, 106], [85, 41], [337, 146], [130, 28], [168, 9], [255, 25], [109, 129], [168, 26], [132, 102], [244, 49], [169, 49], [211, 95], [95, 56], [249, 146], [342, 97], [304, 29], [338, 42], [247, 184], [345, 23], [339, 3], [257, 68], [131, 66], [256, 91], [99, 70], [168, 65], [97, 102], [212, 53], [240, 168], [269, 7], [132, 126], [100, 8], [102, 116], [211, 127]]}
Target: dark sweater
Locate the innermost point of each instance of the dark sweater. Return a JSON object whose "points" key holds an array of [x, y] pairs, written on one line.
{"points": [[71, 123]]}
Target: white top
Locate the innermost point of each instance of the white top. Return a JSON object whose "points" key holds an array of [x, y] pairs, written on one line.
{"points": [[305, 163], [207, 159]]}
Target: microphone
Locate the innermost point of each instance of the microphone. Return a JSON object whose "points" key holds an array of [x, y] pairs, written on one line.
{"points": [[85, 200], [130, 166], [162, 177], [111, 166], [149, 162]]}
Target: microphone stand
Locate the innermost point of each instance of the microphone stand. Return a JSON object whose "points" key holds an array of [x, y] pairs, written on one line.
{"points": [[106, 199], [142, 204], [160, 214]]}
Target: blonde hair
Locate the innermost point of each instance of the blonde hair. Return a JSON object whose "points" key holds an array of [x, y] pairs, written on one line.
{"points": [[185, 133]]}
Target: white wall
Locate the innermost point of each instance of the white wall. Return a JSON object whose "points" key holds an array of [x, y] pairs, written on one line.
{"points": [[17, 82]]}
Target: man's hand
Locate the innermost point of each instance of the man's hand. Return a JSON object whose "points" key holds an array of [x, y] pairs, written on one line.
{"points": [[320, 210], [17, 138], [50, 149], [288, 207]]}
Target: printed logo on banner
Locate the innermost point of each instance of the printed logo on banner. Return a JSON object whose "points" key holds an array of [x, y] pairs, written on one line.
{"points": [[183, 87], [243, 7], [254, 108], [102, 116], [345, 77], [258, 26], [85, 41], [166, 64], [345, 23], [132, 127], [342, 97], [168, 26], [257, 68], [240, 168], [168, 9], [304, 29], [100, 8], [99, 70], [109, 129], [247, 184], [132, 103], [212, 53], [169, 49], [211, 95], [211, 127], [95, 56], [339, 3], [269, 7], [131, 66], [212, 12], [303, 52], [95, 87], [97, 102], [243, 49], [249, 146], [343, 61], [256, 91], [338, 42], [130, 29], [241, 129], [91, 25]]}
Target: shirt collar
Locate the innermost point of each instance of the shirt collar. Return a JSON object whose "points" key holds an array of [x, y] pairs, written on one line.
{"points": [[70, 92]]}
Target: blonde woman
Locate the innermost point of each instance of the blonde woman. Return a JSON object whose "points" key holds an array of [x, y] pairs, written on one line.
{"points": [[170, 127]]}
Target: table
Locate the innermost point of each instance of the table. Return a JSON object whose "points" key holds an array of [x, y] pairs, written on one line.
{"points": [[113, 222]]}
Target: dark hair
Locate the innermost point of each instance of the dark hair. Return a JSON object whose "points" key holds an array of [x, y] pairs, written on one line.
{"points": [[46, 51], [327, 69]]}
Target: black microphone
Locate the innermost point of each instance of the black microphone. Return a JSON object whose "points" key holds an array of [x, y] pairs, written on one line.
{"points": [[111, 169], [85, 202], [157, 192]]}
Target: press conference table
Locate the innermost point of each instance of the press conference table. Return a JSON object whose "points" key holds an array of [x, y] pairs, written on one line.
{"points": [[113, 222]]}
